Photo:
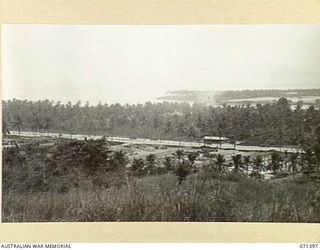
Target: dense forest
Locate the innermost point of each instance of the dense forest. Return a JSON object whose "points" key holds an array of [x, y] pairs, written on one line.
{"points": [[220, 97], [50, 179], [238, 94], [270, 124]]}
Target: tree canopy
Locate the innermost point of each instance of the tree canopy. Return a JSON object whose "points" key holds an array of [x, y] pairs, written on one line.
{"points": [[270, 124]]}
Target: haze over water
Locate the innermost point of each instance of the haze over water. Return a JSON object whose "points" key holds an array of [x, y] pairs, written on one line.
{"points": [[136, 64]]}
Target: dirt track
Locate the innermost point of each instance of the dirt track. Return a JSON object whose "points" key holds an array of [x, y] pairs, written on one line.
{"points": [[171, 143]]}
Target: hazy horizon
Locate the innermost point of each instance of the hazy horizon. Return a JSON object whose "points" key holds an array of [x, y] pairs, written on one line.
{"points": [[136, 64], [152, 99]]}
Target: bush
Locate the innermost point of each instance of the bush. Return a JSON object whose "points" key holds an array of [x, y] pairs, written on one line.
{"points": [[182, 171], [34, 168], [161, 198], [87, 156]]}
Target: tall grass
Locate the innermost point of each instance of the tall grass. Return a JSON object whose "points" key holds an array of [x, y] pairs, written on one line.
{"points": [[161, 198]]}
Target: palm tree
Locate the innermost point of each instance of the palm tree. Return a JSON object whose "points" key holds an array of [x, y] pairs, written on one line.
{"points": [[220, 127], [137, 164], [36, 124], [47, 124], [257, 167], [119, 158], [151, 159], [257, 163], [247, 161], [275, 162], [179, 153], [235, 134], [156, 123], [237, 162], [278, 125], [192, 157], [18, 122], [181, 131], [168, 163], [293, 162], [168, 128], [220, 160], [308, 160], [192, 133], [182, 171]]}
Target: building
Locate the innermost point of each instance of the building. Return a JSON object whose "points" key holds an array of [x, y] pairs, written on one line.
{"points": [[214, 139]]}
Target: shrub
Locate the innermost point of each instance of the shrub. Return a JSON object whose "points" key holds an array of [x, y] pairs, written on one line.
{"points": [[182, 171]]}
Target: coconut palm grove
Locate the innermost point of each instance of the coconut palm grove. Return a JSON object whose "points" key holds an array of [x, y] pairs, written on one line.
{"points": [[150, 162]]}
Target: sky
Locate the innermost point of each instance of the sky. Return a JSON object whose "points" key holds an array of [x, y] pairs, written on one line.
{"points": [[137, 63]]}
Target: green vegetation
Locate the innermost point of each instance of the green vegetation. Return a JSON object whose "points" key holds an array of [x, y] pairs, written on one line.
{"points": [[240, 94], [270, 124], [68, 180], [220, 97], [87, 181]]}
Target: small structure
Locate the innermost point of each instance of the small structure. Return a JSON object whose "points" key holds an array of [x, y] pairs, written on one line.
{"points": [[214, 139]]}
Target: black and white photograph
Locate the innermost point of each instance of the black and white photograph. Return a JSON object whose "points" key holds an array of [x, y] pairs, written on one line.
{"points": [[160, 123]]}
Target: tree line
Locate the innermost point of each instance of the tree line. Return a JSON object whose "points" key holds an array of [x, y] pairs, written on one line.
{"points": [[72, 163], [269, 124], [246, 93], [221, 97]]}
